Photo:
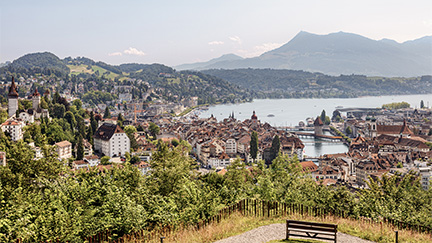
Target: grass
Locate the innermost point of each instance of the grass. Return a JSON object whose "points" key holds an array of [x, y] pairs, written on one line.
{"points": [[237, 224], [77, 69]]}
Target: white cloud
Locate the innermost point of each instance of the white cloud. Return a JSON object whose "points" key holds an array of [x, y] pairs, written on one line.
{"points": [[115, 54], [134, 51], [428, 22], [260, 49], [216, 43], [235, 39]]}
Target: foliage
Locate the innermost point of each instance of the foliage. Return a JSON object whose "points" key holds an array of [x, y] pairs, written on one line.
{"points": [[153, 129], [40, 200], [396, 105], [280, 83]]}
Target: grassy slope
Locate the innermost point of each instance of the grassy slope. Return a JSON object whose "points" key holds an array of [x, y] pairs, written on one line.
{"points": [[77, 69]]}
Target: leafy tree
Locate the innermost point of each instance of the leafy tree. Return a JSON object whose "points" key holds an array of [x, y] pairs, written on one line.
{"points": [[422, 104], [77, 103], [348, 130], [69, 116], [170, 169], [254, 145], [58, 110], [153, 129], [135, 159], [105, 160]]}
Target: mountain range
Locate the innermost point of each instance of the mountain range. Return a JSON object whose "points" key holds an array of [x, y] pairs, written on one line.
{"points": [[335, 54]]}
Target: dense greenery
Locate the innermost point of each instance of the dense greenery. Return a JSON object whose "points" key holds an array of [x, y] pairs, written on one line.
{"points": [[396, 105], [40, 63], [42, 200], [274, 83]]}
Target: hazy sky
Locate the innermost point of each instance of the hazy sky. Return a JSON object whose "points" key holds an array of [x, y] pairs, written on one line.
{"points": [[174, 32]]}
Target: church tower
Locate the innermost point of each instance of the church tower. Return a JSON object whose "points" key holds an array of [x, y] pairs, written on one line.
{"points": [[254, 120], [36, 99], [12, 99]]}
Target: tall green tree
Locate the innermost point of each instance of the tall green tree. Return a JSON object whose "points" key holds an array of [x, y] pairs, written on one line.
{"points": [[80, 148], [254, 145], [107, 113], [422, 104], [275, 147], [323, 115]]}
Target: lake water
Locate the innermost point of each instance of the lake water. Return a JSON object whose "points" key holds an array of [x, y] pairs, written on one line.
{"points": [[288, 112]]}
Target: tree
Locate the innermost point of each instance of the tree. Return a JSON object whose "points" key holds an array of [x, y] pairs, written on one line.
{"points": [[323, 116], [154, 129], [105, 160], [77, 103], [93, 122], [120, 120], [58, 110], [348, 130], [275, 147], [80, 148], [422, 104], [254, 145], [107, 113], [69, 116]]}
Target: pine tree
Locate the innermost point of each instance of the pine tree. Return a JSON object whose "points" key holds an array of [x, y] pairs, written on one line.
{"points": [[275, 147], [80, 148], [422, 104], [107, 113], [254, 145]]}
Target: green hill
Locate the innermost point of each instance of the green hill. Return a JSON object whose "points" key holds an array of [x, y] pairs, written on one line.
{"points": [[39, 62]]}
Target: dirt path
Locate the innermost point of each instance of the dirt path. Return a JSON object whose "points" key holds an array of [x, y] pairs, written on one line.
{"points": [[277, 232]]}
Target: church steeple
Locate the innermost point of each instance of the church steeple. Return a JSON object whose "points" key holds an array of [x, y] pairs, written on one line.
{"points": [[12, 99], [12, 90]]}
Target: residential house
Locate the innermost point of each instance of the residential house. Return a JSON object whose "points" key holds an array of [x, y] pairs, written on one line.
{"points": [[64, 149]]}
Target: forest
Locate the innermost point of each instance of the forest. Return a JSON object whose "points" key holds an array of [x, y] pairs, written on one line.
{"points": [[280, 83], [43, 200]]}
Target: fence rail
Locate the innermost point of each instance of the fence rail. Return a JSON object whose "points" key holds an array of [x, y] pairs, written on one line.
{"points": [[250, 207]]}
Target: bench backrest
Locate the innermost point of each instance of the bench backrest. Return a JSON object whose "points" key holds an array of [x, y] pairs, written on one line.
{"points": [[304, 225]]}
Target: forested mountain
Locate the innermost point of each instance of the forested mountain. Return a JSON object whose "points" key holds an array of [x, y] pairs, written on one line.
{"points": [[273, 83], [343, 53]]}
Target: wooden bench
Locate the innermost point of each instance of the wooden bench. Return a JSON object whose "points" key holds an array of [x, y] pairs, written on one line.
{"points": [[312, 230]]}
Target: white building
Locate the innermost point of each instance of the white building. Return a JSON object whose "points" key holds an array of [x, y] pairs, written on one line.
{"points": [[14, 128], [231, 146], [64, 149], [111, 140], [222, 160]]}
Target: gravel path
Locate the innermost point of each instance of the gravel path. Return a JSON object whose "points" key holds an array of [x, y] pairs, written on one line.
{"points": [[277, 232]]}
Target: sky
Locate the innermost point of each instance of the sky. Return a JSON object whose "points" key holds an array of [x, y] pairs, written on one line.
{"points": [[174, 32]]}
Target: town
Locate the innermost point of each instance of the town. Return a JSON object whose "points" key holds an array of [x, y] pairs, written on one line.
{"points": [[124, 129]]}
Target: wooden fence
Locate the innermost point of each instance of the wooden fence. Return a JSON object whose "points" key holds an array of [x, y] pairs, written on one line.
{"points": [[250, 207]]}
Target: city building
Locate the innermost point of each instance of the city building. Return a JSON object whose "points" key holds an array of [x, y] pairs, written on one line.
{"points": [[111, 140]]}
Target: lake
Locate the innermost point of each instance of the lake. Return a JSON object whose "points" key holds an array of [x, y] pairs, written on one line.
{"points": [[288, 112]]}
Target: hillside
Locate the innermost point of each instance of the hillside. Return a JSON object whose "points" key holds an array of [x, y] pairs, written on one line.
{"points": [[343, 53], [273, 83], [39, 62], [164, 81], [204, 65]]}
